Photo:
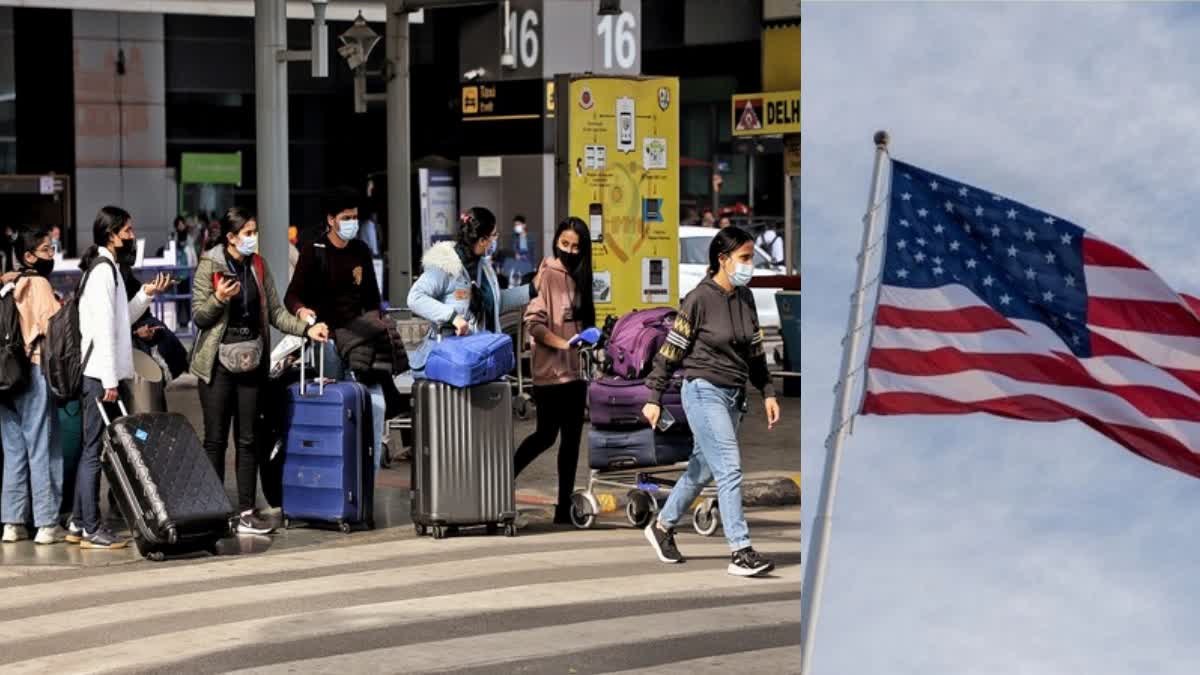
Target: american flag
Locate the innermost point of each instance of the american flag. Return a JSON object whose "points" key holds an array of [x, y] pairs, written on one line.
{"points": [[989, 305]]}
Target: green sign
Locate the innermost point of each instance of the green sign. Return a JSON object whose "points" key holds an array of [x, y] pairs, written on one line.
{"points": [[218, 168]]}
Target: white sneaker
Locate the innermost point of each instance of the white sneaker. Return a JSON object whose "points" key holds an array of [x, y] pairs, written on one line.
{"points": [[52, 534], [14, 533]]}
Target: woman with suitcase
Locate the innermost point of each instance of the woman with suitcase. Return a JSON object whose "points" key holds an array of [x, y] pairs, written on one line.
{"points": [[459, 288], [563, 307], [717, 341], [234, 305]]}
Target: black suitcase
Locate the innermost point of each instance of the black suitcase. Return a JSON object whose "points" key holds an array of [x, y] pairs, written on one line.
{"points": [[166, 487]]}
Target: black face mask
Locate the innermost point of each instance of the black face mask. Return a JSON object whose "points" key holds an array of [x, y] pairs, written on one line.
{"points": [[569, 260], [127, 254], [42, 266]]}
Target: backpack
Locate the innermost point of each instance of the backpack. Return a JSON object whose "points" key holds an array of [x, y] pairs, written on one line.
{"points": [[62, 358], [636, 338], [14, 361]]}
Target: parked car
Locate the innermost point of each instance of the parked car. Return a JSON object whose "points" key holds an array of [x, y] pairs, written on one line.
{"points": [[693, 266]]}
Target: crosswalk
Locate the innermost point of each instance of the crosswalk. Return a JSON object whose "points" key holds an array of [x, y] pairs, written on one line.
{"points": [[546, 601]]}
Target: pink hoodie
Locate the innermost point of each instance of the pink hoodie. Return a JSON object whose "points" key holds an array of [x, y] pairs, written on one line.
{"points": [[552, 312]]}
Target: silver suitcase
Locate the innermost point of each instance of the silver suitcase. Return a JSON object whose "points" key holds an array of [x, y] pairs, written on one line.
{"points": [[462, 468]]}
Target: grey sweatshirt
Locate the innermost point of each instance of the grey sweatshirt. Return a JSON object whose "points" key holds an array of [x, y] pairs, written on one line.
{"points": [[716, 337]]}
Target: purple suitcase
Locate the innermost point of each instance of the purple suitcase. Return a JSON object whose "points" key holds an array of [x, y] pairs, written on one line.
{"points": [[616, 403]]}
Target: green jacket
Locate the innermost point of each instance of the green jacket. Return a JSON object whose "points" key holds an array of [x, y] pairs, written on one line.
{"points": [[210, 314]]}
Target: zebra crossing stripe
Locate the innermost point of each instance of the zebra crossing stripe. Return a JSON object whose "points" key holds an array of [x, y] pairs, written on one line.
{"points": [[185, 645]]}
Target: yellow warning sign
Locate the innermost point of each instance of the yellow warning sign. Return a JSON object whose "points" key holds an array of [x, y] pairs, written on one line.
{"points": [[766, 113], [470, 100]]}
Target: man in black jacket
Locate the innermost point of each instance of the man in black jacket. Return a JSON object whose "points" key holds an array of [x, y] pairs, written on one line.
{"points": [[335, 280]]}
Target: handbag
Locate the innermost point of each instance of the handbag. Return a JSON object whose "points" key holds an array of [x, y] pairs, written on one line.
{"points": [[464, 361], [241, 357]]}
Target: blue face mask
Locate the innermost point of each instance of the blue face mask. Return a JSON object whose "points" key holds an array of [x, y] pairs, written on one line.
{"points": [[348, 229], [248, 245], [742, 273], [491, 249]]}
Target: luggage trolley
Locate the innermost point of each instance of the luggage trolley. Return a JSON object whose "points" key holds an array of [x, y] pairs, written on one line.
{"points": [[644, 484]]}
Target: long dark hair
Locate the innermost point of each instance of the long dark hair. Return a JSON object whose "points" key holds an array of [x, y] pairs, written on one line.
{"points": [[28, 241], [109, 221], [231, 223], [474, 224], [724, 243], [585, 306]]}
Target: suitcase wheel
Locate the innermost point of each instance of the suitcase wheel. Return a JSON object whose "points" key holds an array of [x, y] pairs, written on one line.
{"points": [[439, 532], [420, 529], [706, 518], [344, 527], [510, 529], [156, 556]]}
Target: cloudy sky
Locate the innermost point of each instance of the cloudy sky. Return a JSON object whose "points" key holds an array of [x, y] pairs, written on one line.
{"points": [[971, 544]]}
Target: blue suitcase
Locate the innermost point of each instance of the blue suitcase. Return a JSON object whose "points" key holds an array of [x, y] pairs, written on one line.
{"points": [[640, 448], [329, 465]]}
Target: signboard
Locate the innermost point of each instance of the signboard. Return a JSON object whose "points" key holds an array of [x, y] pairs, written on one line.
{"points": [[766, 114], [439, 205], [619, 148], [216, 168], [504, 118]]}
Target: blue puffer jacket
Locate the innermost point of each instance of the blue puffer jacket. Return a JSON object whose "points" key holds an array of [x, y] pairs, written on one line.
{"points": [[444, 289]]}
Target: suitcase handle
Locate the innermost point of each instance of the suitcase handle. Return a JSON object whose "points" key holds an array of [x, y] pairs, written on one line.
{"points": [[104, 413], [320, 370]]}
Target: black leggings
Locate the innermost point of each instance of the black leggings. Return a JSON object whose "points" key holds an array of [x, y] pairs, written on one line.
{"points": [[559, 408], [233, 398]]}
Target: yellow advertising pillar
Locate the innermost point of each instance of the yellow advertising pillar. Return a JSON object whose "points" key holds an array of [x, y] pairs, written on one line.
{"points": [[618, 158]]}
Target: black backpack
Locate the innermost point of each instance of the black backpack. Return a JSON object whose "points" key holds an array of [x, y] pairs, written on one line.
{"points": [[62, 358], [14, 362]]}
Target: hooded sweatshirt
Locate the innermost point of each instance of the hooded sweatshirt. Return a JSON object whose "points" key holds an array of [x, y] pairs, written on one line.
{"points": [[552, 311], [716, 337]]}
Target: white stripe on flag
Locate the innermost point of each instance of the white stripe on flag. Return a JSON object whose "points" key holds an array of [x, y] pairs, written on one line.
{"points": [[1126, 283], [1166, 351], [976, 385]]}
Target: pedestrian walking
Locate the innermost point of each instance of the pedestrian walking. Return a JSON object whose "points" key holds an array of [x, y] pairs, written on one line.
{"points": [[716, 339], [561, 309]]}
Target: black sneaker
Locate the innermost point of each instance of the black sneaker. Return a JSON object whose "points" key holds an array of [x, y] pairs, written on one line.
{"points": [[102, 538], [748, 563], [252, 523], [663, 542]]}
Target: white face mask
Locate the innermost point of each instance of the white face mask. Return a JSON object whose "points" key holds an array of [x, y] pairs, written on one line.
{"points": [[248, 245], [348, 229], [742, 273]]}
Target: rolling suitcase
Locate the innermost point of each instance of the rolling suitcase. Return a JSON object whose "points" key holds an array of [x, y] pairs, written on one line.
{"points": [[329, 460], [643, 448], [166, 487], [616, 403], [462, 468]]}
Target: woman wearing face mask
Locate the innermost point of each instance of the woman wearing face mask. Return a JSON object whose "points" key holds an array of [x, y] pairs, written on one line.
{"points": [[29, 421], [234, 304], [717, 341], [563, 307], [458, 287]]}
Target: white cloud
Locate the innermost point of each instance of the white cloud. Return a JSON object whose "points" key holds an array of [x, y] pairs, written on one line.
{"points": [[970, 544]]}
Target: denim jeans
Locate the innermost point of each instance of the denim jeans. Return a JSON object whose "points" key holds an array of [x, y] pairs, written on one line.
{"points": [[714, 414], [87, 477], [32, 455], [335, 370]]}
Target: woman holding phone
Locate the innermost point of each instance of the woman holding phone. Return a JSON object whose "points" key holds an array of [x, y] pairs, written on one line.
{"points": [[717, 341], [554, 320], [234, 304]]}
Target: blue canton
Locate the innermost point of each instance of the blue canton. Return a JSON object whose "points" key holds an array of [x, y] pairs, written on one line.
{"points": [[1024, 263]]}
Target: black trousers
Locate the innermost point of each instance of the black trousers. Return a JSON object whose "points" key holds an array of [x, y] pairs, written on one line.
{"points": [[231, 399], [559, 410]]}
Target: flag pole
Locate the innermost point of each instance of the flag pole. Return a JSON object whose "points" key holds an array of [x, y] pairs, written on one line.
{"points": [[843, 413]]}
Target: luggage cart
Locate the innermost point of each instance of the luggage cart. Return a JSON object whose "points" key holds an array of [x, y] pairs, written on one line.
{"points": [[644, 485], [522, 399]]}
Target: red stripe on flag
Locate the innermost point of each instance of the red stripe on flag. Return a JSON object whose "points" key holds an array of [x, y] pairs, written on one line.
{"points": [[1145, 316], [1151, 401], [964, 320], [1154, 446], [1097, 252]]}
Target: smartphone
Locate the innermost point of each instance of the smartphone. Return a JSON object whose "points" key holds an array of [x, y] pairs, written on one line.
{"points": [[665, 419], [229, 276], [596, 221]]}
